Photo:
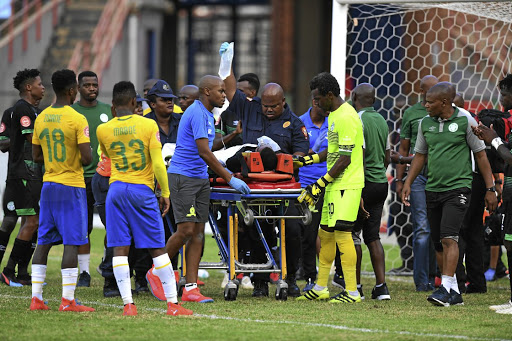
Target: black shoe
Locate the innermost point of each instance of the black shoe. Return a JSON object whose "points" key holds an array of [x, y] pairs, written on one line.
{"points": [[293, 288], [260, 289], [141, 285], [9, 279], [381, 293], [24, 279], [440, 297], [110, 288], [425, 287], [338, 281], [473, 289], [455, 298], [84, 280]]}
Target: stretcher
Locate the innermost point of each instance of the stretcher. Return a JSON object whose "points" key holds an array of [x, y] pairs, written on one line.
{"points": [[268, 190]]}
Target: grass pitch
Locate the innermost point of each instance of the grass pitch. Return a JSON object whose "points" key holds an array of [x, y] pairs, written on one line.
{"points": [[408, 316]]}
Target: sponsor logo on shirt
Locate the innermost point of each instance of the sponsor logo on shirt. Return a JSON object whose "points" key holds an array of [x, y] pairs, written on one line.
{"points": [[86, 131], [25, 121], [332, 127], [286, 124], [10, 206], [453, 127], [432, 128], [103, 117]]}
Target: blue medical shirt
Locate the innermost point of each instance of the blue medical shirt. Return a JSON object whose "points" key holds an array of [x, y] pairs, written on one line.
{"points": [[309, 174], [287, 130], [196, 123], [174, 121]]}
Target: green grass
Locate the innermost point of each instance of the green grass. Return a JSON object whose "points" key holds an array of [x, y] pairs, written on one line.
{"points": [[408, 316]]}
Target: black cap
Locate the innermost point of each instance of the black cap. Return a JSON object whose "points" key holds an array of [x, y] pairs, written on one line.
{"points": [[161, 89]]}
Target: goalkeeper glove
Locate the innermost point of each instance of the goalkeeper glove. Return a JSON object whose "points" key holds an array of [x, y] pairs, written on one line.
{"points": [[312, 193], [301, 161]]}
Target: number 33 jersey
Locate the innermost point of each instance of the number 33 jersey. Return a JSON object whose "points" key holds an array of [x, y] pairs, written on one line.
{"points": [[127, 141], [59, 131]]}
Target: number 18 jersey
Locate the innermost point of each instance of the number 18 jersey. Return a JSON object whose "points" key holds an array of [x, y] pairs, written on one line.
{"points": [[127, 141], [59, 131]]}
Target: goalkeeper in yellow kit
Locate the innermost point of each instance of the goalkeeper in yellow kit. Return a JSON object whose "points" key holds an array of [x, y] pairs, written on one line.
{"points": [[342, 184]]}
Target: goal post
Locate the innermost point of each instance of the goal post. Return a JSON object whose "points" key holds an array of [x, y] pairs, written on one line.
{"points": [[393, 44]]}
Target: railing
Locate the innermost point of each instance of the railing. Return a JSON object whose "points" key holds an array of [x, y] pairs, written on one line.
{"points": [[95, 53], [20, 21]]}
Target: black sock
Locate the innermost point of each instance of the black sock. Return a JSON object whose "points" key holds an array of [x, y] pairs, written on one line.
{"points": [[19, 251], [23, 264], [4, 240]]}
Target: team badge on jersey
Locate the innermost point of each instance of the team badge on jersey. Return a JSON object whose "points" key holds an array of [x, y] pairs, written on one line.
{"points": [[304, 132], [25, 121], [10, 206], [453, 127], [2, 128], [103, 117], [158, 136], [332, 127], [86, 131], [286, 124]]}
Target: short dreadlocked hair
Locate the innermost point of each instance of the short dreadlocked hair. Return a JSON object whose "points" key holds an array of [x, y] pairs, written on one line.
{"points": [[325, 82]]}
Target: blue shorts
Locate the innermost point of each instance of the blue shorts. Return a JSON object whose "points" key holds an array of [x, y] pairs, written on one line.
{"points": [[63, 215], [133, 211]]}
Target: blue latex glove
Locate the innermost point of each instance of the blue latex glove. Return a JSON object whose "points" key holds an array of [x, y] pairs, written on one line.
{"points": [[223, 47], [239, 185]]}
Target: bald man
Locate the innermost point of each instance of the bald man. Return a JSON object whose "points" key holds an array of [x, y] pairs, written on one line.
{"points": [[375, 191], [271, 116], [189, 184], [187, 95], [447, 137], [421, 230]]}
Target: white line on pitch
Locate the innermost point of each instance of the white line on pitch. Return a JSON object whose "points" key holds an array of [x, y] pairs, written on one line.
{"points": [[308, 324]]}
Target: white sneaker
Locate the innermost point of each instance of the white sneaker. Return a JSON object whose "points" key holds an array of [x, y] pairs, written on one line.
{"points": [[505, 311], [246, 283], [497, 307], [225, 281]]}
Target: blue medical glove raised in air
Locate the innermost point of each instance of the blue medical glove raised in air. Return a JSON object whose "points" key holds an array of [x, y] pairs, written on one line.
{"points": [[239, 185], [223, 47]]}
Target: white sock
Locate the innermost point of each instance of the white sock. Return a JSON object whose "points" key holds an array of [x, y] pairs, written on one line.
{"points": [[318, 287], [69, 277], [190, 286], [38, 276], [122, 275], [163, 270], [446, 282], [83, 262], [455, 285]]}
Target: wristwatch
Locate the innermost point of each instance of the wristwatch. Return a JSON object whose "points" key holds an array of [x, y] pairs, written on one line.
{"points": [[491, 189]]}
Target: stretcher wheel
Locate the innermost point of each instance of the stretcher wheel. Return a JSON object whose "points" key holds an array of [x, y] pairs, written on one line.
{"points": [[282, 294], [181, 285], [230, 291], [249, 217], [308, 217]]}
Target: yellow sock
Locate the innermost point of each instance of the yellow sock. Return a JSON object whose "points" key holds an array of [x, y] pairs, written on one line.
{"points": [[348, 258], [326, 256]]}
